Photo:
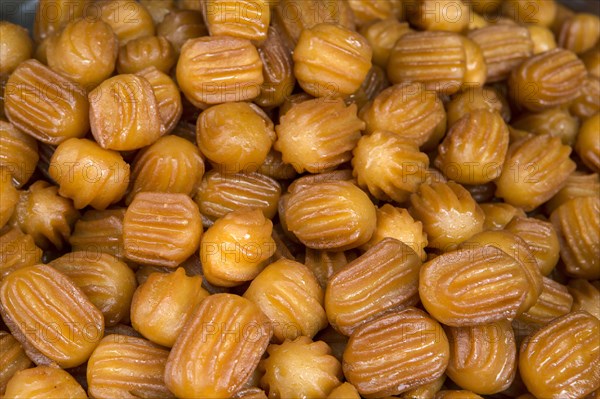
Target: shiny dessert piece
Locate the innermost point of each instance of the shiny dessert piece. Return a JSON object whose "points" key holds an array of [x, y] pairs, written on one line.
{"points": [[85, 51], [291, 297], [140, 360], [383, 279], [395, 353], [213, 357], [289, 363], [38, 292], [163, 303], [45, 104], [108, 282], [218, 69], [331, 215], [237, 247], [318, 135], [124, 113], [567, 352], [89, 174], [331, 61], [161, 229]]}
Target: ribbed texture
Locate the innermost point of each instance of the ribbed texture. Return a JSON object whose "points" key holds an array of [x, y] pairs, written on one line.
{"points": [[547, 80], [237, 247], [235, 137], [389, 166], [54, 315], [308, 13], [395, 353], [107, 282], [278, 71], [246, 19], [317, 135], [162, 304], [399, 224], [535, 170], [13, 358], [473, 286], [437, 59], [383, 279], [504, 47], [483, 358], [579, 33], [289, 294], [127, 118], [330, 60], [517, 249], [300, 368], [406, 109], [44, 104], [541, 238], [448, 212], [219, 69], [555, 121], [18, 153], [127, 367], [161, 229], [149, 51], [218, 349], [45, 215], [99, 231], [334, 215], [171, 165], [86, 51], [17, 250], [474, 149], [566, 349], [168, 97], [553, 302], [89, 174], [220, 194], [577, 223]]}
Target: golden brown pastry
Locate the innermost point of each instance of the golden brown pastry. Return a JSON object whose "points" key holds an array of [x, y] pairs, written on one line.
{"points": [[235, 136], [46, 105], [331, 61], [85, 51], [15, 46], [317, 135], [218, 69]]}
